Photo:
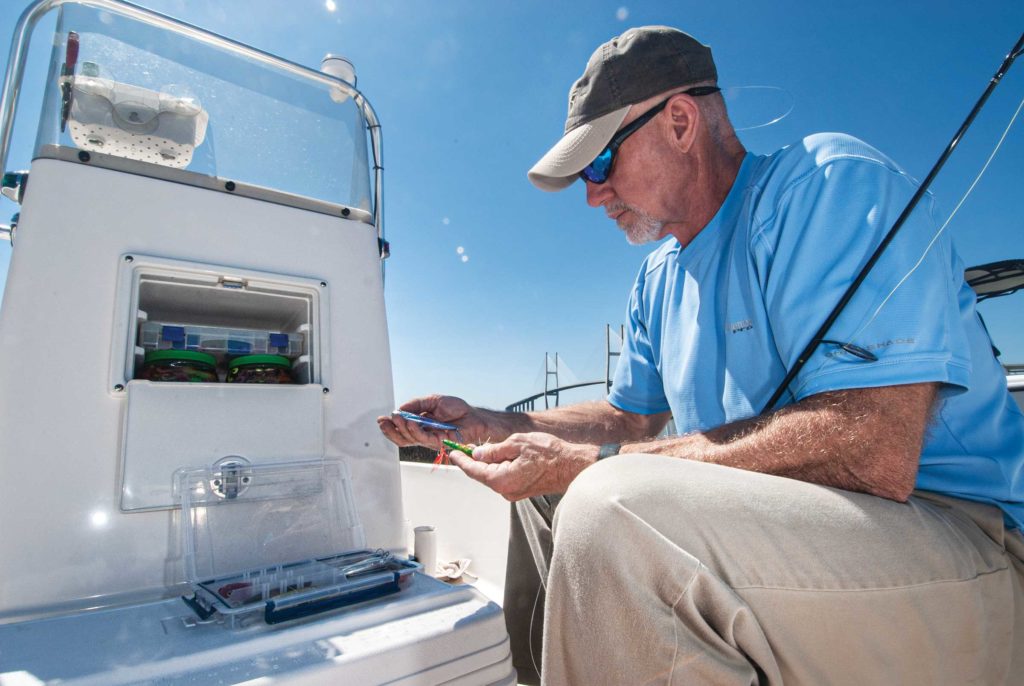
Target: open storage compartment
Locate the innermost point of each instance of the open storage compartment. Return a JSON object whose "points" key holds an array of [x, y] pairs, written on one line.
{"points": [[225, 312], [227, 318], [278, 542]]}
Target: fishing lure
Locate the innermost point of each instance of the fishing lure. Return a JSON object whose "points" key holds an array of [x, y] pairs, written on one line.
{"points": [[444, 454], [426, 421], [458, 446], [442, 457]]}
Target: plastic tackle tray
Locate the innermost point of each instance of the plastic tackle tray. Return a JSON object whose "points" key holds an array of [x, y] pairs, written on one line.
{"points": [[219, 341], [285, 592], [278, 542]]}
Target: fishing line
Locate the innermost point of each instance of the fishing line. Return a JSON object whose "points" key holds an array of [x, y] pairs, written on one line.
{"points": [[529, 636], [808, 351], [770, 104], [942, 228]]}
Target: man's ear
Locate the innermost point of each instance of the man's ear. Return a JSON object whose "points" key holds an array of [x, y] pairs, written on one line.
{"points": [[684, 121]]}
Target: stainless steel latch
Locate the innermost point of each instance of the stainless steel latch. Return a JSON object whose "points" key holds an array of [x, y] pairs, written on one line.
{"points": [[232, 477]]}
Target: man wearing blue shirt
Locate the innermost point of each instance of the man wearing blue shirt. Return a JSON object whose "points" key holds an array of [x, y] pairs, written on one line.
{"points": [[868, 532]]}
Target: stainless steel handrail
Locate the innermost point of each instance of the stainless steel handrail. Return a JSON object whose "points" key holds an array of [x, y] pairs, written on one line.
{"points": [[34, 12]]}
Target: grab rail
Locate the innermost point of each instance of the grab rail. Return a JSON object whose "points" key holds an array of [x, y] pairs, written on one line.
{"points": [[34, 12]]}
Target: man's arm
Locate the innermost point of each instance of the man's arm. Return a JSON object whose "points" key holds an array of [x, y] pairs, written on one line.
{"points": [[867, 440], [592, 422], [596, 422]]}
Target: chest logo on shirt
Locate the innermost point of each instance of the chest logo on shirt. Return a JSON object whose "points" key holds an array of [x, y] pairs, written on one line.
{"points": [[740, 326]]}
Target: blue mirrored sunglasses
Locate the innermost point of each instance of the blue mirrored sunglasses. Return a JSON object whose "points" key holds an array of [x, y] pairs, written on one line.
{"points": [[600, 169]]}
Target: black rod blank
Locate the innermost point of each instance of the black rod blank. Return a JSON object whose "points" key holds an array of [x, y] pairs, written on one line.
{"points": [[816, 340]]}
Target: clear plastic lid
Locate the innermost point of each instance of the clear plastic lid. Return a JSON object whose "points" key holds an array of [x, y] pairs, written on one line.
{"points": [[237, 516], [125, 86]]}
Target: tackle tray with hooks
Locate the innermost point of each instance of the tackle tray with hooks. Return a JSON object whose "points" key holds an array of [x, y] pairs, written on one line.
{"points": [[278, 542], [284, 592]]}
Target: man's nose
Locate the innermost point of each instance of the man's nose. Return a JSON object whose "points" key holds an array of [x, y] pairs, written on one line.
{"points": [[597, 193]]}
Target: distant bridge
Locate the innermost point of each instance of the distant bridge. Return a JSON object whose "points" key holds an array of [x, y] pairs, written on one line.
{"points": [[551, 387], [529, 404]]}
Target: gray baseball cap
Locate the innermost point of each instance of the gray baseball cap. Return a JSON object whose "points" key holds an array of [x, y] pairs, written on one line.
{"points": [[628, 69]]}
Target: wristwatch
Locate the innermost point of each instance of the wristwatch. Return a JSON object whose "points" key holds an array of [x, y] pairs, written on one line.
{"points": [[609, 449]]}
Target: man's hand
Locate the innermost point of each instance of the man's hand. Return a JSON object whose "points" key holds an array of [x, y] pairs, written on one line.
{"points": [[443, 408], [526, 464], [867, 440], [588, 423]]}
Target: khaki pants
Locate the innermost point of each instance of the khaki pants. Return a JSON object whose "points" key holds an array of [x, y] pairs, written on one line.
{"points": [[667, 571]]}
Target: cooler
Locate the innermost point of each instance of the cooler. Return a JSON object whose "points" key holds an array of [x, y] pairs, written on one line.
{"points": [[281, 587]]}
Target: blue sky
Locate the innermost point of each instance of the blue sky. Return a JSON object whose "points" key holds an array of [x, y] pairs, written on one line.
{"points": [[471, 93]]}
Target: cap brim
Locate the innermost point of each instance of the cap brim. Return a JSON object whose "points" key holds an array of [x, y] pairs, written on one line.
{"points": [[578, 148]]}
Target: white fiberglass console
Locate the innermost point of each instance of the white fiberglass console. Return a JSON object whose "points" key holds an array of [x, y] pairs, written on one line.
{"points": [[193, 352]]}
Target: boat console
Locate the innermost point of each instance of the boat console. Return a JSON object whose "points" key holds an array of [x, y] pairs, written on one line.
{"points": [[193, 352]]}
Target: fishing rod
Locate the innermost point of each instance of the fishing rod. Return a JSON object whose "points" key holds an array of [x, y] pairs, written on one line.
{"points": [[819, 336]]}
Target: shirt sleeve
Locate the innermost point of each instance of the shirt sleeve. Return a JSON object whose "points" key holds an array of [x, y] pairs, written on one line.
{"points": [[817, 238], [637, 386]]}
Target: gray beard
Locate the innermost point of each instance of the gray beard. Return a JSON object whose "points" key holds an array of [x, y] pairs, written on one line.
{"points": [[643, 229]]}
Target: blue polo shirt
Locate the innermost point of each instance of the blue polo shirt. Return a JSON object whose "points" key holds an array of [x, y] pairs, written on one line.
{"points": [[713, 327]]}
